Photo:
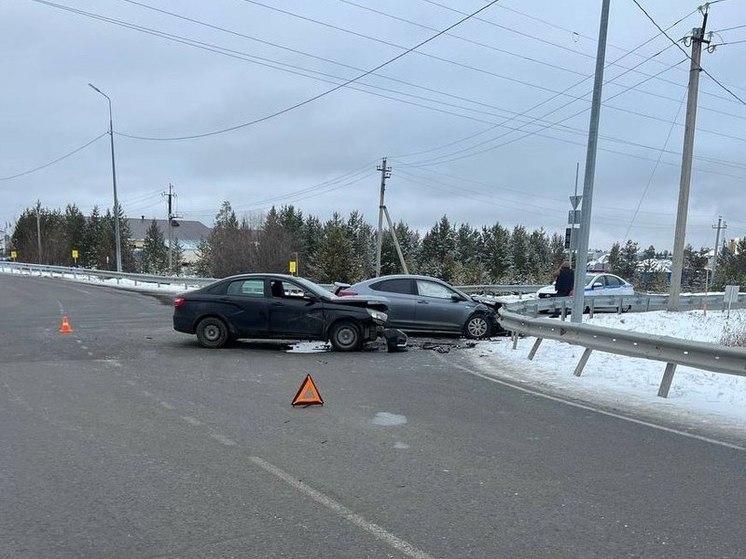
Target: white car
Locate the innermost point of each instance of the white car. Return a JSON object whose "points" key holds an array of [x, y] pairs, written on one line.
{"points": [[597, 285]]}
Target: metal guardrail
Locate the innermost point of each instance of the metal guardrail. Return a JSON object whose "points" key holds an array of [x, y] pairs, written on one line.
{"points": [[41, 269], [521, 318], [494, 289]]}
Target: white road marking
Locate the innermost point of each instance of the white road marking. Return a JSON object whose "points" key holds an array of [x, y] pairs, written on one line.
{"points": [[377, 531], [168, 406], [595, 409], [147, 394]]}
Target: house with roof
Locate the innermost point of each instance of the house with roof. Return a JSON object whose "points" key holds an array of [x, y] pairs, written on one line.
{"points": [[188, 232]]}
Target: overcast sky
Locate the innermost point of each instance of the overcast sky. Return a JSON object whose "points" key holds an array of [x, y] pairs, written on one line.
{"points": [[483, 124]]}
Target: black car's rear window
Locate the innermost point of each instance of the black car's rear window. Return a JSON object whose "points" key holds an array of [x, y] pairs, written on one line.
{"points": [[394, 286]]}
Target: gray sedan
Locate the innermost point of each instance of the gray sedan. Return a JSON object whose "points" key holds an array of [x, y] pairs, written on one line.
{"points": [[426, 304]]}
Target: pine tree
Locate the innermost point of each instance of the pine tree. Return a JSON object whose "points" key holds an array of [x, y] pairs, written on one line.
{"points": [[334, 253], [519, 250], [497, 255], [362, 265], [731, 268], [74, 225], [437, 254], [274, 246], [539, 257], [312, 234], [469, 250], [615, 257], [154, 259], [409, 243], [177, 257], [627, 266]]}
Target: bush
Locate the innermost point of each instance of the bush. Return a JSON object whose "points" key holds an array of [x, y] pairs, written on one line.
{"points": [[734, 333]]}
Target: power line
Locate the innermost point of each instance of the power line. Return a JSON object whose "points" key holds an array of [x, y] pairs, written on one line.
{"points": [[536, 106], [40, 167], [686, 53], [729, 28], [447, 158], [323, 94], [302, 71], [655, 168]]}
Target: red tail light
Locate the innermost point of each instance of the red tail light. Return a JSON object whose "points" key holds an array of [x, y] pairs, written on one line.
{"points": [[179, 301], [346, 293]]}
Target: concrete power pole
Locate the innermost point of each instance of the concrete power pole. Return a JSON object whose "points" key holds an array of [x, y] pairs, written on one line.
{"points": [[581, 261], [171, 194], [677, 263], [382, 210], [720, 226]]}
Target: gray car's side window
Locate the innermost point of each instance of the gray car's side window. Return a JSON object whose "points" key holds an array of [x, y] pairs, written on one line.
{"points": [[403, 286], [432, 289]]}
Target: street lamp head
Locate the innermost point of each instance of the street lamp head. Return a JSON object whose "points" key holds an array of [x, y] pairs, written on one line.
{"points": [[98, 90]]}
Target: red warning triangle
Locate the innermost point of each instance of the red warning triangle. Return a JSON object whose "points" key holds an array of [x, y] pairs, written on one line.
{"points": [[308, 394]]}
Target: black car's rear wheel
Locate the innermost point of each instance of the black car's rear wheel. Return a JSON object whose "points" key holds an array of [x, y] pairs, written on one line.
{"points": [[346, 336], [477, 327], [212, 333]]}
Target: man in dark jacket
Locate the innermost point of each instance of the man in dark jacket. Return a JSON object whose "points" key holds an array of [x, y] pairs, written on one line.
{"points": [[565, 280]]}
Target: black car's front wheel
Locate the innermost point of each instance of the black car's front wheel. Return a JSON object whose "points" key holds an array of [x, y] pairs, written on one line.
{"points": [[477, 327], [212, 333], [345, 336]]}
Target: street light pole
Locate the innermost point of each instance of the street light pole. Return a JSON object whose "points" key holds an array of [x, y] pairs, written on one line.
{"points": [[117, 239]]}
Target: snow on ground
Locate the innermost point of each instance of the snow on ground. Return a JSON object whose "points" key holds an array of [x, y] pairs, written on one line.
{"points": [[611, 380], [620, 382]]}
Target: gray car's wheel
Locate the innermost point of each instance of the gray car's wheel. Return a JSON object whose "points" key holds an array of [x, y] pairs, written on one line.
{"points": [[345, 336], [212, 332], [477, 327]]}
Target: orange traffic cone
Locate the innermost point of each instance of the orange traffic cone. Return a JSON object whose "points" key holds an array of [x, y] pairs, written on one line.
{"points": [[65, 328]]}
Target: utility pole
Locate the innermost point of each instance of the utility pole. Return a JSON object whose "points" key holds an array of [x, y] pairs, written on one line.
{"points": [[677, 261], [720, 226], [171, 194], [38, 230], [382, 210], [581, 260]]}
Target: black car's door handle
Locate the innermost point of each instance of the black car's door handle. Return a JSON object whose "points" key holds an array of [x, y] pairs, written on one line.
{"points": [[421, 302]]}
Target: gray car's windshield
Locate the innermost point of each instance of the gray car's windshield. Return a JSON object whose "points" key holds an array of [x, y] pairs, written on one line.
{"points": [[312, 287]]}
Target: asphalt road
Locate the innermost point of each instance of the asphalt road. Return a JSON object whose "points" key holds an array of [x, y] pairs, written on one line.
{"points": [[125, 439]]}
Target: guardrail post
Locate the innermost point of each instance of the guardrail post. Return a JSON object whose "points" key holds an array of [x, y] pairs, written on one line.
{"points": [[583, 360], [590, 308], [667, 380], [534, 348], [621, 305], [514, 334]]}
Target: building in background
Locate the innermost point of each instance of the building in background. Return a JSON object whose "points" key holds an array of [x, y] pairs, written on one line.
{"points": [[189, 233]]}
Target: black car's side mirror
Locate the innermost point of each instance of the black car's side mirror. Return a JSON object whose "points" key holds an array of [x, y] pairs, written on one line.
{"points": [[456, 297]]}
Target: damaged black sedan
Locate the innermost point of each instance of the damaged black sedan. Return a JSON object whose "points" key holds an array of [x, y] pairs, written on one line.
{"points": [[277, 306]]}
